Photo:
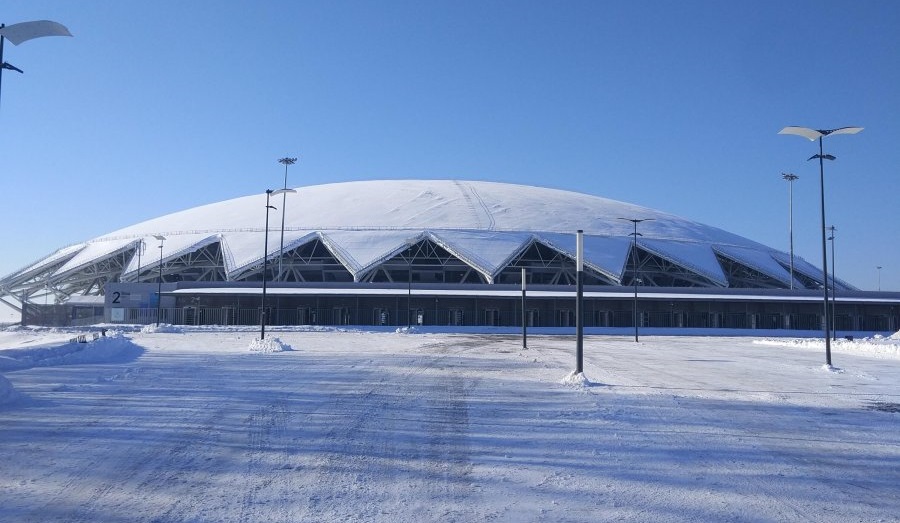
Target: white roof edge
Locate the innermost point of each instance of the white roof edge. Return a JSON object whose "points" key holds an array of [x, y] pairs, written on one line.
{"points": [[571, 255], [531, 238], [749, 263], [720, 278], [232, 269], [116, 251], [479, 267], [504, 293], [340, 255], [63, 255]]}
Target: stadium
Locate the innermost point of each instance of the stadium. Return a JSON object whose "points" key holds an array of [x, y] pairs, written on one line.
{"points": [[431, 252]]}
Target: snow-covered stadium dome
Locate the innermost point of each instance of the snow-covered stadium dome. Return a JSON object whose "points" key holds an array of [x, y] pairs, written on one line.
{"points": [[440, 231]]}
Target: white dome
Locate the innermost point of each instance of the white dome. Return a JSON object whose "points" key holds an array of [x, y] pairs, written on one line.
{"points": [[484, 224]]}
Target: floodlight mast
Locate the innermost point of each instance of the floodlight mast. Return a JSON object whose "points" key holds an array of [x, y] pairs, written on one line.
{"points": [[833, 287], [24, 31], [524, 316], [262, 310], [410, 243], [285, 161], [811, 135], [634, 276], [791, 178], [161, 239]]}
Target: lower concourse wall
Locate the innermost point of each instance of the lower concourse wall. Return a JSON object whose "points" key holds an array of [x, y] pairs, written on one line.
{"points": [[605, 310]]}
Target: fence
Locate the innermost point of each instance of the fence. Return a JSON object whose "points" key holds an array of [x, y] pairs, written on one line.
{"points": [[335, 316]]}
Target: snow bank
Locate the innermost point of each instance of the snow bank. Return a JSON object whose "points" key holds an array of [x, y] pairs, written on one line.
{"points": [[269, 345], [877, 346], [110, 349], [162, 327]]}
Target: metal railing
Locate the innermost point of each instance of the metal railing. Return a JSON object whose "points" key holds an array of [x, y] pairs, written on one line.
{"points": [[463, 317]]}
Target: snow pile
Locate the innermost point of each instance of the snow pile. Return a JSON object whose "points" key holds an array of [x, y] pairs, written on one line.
{"points": [[877, 346], [269, 345], [576, 379], [162, 327], [109, 349]]}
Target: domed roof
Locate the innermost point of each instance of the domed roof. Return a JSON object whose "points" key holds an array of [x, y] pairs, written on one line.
{"points": [[434, 204], [484, 224]]}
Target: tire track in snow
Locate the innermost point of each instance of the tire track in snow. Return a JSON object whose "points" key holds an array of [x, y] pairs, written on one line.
{"points": [[699, 433], [772, 443], [135, 467], [398, 437], [266, 453]]}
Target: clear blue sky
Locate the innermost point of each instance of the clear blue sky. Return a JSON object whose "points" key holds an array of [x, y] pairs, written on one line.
{"points": [[154, 107]]}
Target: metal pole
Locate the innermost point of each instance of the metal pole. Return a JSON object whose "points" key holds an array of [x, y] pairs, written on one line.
{"points": [[579, 303], [286, 161], [262, 311], [812, 134], [159, 284], [524, 325], [790, 178], [408, 285], [879, 277], [824, 255], [634, 278], [833, 290], [791, 229], [634, 275], [139, 249]]}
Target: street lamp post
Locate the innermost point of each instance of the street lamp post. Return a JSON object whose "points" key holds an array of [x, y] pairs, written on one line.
{"points": [[140, 250], [285, 161], [524, 317], [791, 178], [634, 276], [409, 245], [833, 288], [262, 310], [161, 239], [24, 31], [879, 276], [579, 301], [813, 134]]}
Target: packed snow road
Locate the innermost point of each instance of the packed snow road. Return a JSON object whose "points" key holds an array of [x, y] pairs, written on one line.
{"points": [[351, 426]]}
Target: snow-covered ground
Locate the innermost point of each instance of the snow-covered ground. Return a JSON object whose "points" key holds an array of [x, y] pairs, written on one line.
{"points": [[206, 425]]}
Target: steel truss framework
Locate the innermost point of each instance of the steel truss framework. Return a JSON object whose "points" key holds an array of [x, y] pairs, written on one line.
{"points": [[204, 264], [547, 266], [744, 277], [654, 271], [422, 262]]}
